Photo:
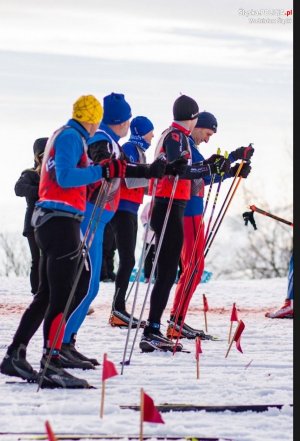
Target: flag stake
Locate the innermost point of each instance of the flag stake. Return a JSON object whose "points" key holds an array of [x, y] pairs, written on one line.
{"points": [[141, 414], [197, 357], [233, 338], [233, 318], [205, 309], [229, 347], [230, 329], [50, 433], [103, 390]]}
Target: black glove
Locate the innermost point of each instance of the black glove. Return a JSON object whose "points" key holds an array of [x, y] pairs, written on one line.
{"points": [[244, 172], [242, 153], [176, 167], [249, 216], [212, 159], [113, 168], [157, 168], [220, 166]]}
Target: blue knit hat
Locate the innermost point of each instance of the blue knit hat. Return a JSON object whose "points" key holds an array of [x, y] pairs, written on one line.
{"points": [[116, 109], [207, 120], [140, 125]]}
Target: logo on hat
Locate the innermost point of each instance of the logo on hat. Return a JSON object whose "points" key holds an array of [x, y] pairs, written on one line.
{"points": [[185, 108]]}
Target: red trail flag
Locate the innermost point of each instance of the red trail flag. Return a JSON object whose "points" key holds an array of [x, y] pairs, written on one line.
{"points": [[198, 347], [148, 413], [50, 433], [205, 309], [237, 336], [151, 414], [109, 370], [234, 315], [233, 318], [205, 304]]}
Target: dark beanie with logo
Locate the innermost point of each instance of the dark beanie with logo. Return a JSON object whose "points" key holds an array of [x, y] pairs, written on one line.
{"points": [[185, 108], [207, 120]]}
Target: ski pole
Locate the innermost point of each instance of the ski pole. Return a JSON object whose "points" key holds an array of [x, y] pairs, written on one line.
{"points": [[193, 253], [73, 289], [186, 296], [155, 262], [215, 201], [208, 244], [139, 274], [224, 202], [101, 192], [203, 255], [145, 253], [265, 213], [141, 262], [227, 196]]}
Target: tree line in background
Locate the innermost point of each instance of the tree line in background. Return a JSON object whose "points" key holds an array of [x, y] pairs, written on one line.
{"points": [[261, 253], [257, 254]]}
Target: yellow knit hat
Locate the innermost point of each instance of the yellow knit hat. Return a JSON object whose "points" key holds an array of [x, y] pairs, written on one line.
{"points": [[87, 109]]}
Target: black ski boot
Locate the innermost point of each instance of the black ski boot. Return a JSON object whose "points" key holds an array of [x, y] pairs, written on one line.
{"points": [[15, 364], [55, 376], [70, 350], [152, 339], [69, 361], [186, 331], [121, 318]]}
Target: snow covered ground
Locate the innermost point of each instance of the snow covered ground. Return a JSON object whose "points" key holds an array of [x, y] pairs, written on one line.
{"points": [[261, 375]]}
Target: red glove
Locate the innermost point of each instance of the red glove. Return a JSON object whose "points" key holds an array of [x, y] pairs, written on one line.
{"points": [[113, 168]]}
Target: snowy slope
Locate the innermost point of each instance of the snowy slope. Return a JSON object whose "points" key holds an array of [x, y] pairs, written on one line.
{"points": [[261, 375]]}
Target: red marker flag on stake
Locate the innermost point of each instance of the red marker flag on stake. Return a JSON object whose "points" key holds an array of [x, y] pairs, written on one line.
{"points": [[198, 351], [149, 413], [49, 431], [205, 304], [205, 309], [237, 337], [109, 370], [198, 347], [234, 315], [233, 318]]}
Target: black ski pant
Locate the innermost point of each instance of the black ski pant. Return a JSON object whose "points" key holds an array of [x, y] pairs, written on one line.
{"points": [[59, 240], [125, 227], [169, 254], [35, 258], [108, 253], [150, 254]]}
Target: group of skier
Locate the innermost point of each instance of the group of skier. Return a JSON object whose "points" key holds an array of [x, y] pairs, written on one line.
{"points": [[86, 180]]}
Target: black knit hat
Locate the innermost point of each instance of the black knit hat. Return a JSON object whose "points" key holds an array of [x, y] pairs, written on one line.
{"points": [[39, 146], [185, 108], [207, 120]]}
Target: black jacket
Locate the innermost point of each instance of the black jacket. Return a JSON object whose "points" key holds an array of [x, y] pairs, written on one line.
{"points": [[28, 186]]}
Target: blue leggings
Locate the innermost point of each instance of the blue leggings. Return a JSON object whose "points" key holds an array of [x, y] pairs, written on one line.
{"points": [[291, 280], [95, 261]]}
